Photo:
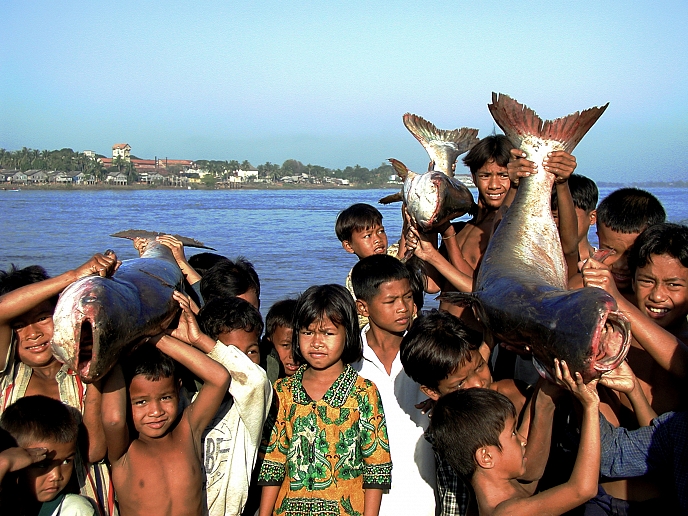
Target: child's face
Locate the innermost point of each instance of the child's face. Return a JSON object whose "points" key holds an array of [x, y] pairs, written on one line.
{"points": [[34, 330], [391, 308], [281, 339], [585, 220], [367, 242], [154, 405], [47, 478], [661, 289], [512, 455], [492, 182], [473, 373], [322, 344], [246, 341], [621, 244]]}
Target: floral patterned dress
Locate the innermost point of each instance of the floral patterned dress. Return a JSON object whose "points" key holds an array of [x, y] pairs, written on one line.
{"points": [[324, 453]]}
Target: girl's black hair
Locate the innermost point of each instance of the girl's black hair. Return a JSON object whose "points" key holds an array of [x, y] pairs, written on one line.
{"points": [[336, 303]]}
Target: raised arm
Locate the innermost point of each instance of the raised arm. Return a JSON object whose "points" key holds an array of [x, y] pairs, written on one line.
{"points": [[622, 379], [15, 303], [177, 248], [93, 422], [539, 431], [114, 414]]}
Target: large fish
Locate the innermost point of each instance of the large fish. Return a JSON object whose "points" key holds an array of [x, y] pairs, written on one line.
{"points": [[436, 196], [521, 291], [96, 318]]}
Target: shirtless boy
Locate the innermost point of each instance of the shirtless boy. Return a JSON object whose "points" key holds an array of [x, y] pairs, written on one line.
{"points": [[158, 470]]}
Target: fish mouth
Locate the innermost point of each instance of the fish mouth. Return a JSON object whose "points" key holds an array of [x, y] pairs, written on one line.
{"points": [[613, 340], [85, 356]]}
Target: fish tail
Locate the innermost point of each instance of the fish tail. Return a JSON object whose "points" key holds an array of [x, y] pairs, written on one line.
{"points": [[397, 197], [517, 121], [425, 131], [401, 169]]}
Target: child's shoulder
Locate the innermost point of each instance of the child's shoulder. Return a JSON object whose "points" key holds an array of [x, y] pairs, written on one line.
{"points": [[75, 505], [517, 391]]}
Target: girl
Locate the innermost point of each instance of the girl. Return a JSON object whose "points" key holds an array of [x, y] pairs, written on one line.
{"points": [[328, 451]]}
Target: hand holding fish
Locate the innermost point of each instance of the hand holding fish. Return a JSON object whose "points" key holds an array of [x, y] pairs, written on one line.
{"points": [[586, 393], [177, 247], [560, 163], [103, 265], [621, 379], [187, 330], [597, 274]]}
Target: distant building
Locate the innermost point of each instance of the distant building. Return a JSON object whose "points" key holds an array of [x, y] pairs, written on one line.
{"points": [[122, 150], [90, 154]]}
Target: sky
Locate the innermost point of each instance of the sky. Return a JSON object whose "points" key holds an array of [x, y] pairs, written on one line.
{"points": [[327, 82]]}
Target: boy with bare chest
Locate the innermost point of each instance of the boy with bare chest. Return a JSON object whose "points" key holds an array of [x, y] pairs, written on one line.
{"points": [[158, 469]]}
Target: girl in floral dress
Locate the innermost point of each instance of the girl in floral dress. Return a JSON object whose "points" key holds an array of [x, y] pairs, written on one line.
{"points": [[328, 452]]}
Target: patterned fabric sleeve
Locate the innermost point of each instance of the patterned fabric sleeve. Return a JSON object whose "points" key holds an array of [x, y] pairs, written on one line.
{"points": [[273, 469], [377, 462]]}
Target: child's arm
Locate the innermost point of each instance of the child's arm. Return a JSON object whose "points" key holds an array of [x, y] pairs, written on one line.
{"points": [[93, 422], [14, 459], [268, 497], [583, 482], [539, 430], [177, 249], [568, 225], [214, 376], [114, 415], [372, 498], [667, 350], [23, 299], [623, 379], [377, 461]]}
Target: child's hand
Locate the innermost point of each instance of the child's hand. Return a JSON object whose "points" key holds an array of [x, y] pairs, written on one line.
{"points": [[187, 330], [561, 164], [418, 244], [621, 379], [140, 244], [175, 246], [585, 392], [426, 406], [100, 264], [20, 458], [519, 166], [597, 274]]}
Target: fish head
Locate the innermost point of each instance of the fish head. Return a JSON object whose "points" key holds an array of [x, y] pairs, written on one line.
{"points": [[585, 329], [434, 198], [85, 317]]}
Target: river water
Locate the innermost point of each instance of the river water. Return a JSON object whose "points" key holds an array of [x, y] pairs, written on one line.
{"points": [[287, 234]]}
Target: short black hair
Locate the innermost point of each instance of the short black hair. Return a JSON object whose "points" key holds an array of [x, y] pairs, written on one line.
{"points": [[16, 278], [357, 217], [630, 210], [464, 421], [495, 147], [201, 262], [38, 418], [229, 278], [371, 272], [435, 346], [335, 302], [149, 361], [584, 192], [225, 314], [665, 238], [281, 313]]}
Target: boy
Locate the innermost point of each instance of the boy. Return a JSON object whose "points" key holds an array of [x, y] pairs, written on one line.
{"points": [[159, 470], [230, 278], [278, 340], [440, 353], [384, 295], [228, 331], [44, 426], [28, 367], [476, 431]]}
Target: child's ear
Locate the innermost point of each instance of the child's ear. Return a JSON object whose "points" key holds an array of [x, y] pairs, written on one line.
{"points": [[430, 393], [347, 247], [484, 351], [593, 217], [362, 307], [484, 458]]}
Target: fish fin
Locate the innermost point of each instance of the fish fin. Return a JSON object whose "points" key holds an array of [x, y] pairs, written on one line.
{"points": [[391, 198], [518, 121], [458, 298], [426, 133], [131, 234], [401, 169]]}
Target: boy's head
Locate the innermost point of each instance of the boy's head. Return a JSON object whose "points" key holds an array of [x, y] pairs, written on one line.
{"points": [[585, 194], [235, 321], [659, 266], [383, 292], [360, 230], [42, 422], [487, 161], [33, 328], [475, 429], [230, 278], [335, 303], [153, 387], [621, 217], [279, 329], [202, 262], [441, 354]]}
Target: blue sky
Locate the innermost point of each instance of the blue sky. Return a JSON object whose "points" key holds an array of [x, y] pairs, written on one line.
{"points": [[327, 82]]}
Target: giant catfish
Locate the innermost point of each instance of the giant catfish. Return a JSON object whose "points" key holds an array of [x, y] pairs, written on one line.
{"points": [[96, 317], [521, 291]]}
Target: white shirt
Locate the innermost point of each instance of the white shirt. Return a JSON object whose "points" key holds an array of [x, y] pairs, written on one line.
{"points": [[231, 440], [413, 472]]}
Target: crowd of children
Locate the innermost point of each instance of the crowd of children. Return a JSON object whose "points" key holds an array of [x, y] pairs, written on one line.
{"points": [[355, 401]]}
